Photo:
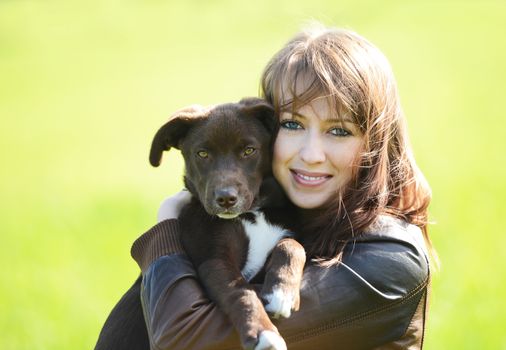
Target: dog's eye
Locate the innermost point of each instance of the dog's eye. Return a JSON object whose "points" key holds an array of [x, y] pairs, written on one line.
{"points": [[203, 154], [249, 151]]}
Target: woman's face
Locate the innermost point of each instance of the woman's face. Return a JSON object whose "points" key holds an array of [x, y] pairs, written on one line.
{"points": [[314, 153]]}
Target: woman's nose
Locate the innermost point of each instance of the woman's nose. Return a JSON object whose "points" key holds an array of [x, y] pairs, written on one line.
{"points": [[312, 150]]}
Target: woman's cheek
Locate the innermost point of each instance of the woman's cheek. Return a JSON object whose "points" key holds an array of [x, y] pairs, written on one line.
{"points": [[280, 157], [280, 148]]}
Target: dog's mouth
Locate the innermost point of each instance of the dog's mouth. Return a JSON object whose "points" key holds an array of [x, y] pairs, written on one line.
{"points": [[232, 212], [229, 213], [228, 216]]}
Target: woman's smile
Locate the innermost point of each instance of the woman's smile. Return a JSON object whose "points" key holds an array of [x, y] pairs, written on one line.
{"points": [[309, 179]]}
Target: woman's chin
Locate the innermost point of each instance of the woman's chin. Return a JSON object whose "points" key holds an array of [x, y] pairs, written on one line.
{"points": [[308, 202]]}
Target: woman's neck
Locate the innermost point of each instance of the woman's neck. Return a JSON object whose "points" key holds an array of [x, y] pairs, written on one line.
{"points": [[308, 215]]}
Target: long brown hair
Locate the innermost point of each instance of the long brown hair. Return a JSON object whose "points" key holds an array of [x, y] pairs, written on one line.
{"points": [[355, 77]]}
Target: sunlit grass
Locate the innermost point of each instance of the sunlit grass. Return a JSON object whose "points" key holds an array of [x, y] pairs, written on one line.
{"points": [[84, 85]]}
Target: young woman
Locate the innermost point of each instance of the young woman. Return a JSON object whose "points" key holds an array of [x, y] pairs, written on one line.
{"points": [[343, 158]]}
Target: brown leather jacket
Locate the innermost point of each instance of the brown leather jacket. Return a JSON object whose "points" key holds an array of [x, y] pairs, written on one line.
{"points": [[375, 299]]}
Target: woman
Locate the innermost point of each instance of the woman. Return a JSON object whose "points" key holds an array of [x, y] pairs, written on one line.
{"points": [[342, 157]]}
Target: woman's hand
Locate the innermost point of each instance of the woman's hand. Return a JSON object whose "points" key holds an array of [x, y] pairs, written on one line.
{"points": [[171, 206]]}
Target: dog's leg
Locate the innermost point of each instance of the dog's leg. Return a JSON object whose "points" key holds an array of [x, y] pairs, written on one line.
{"points": [[280, 291], [240, 302]]}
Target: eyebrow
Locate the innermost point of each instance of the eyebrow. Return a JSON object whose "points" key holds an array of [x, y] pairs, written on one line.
{"points": [[329, 120]]}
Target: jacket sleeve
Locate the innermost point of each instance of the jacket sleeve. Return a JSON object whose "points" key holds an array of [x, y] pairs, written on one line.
{"points": [[177, 312], [371, 299]]}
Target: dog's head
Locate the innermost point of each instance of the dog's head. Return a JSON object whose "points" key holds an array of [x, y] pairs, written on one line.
{"points": [[226, 149]]}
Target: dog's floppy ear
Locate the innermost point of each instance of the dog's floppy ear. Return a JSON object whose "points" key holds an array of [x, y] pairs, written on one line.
{"points": [[172, 132], [261, 109]]}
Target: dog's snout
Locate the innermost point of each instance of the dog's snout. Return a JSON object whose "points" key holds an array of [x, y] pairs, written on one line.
{"points": [[226, 197]]}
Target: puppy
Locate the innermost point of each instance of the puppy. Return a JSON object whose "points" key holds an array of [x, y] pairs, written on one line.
{"points": [[227, 229], [232, 229]]}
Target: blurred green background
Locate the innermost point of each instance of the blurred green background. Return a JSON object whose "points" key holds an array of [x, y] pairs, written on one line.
{"points": [[85, 84]]}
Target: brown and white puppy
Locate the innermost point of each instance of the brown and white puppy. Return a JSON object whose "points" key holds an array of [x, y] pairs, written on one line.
{"points": [[227, 229]]}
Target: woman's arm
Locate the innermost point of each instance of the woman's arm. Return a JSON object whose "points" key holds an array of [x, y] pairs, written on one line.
{"points": [[178, 314], [376, 296]]}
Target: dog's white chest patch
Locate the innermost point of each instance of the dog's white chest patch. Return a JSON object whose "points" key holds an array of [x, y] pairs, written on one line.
{"points": [[262, 238]]}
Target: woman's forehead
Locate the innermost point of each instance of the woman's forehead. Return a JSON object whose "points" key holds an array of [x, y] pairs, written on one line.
{"points": [[324, 107], [302, 89], [297, 84]]}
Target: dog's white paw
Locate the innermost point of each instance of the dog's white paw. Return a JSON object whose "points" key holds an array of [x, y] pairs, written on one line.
{"points": [[279, 303], [269, 340]]}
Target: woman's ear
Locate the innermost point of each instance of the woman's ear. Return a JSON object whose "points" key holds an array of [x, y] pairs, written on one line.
{"points": [[172, 132], [262, 110]]}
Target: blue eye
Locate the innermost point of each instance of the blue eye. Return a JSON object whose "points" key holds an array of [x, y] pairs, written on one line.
{"points": [[290, 124], [340, 132]]}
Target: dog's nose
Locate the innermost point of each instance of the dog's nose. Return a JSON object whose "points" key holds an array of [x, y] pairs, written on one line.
{"points": [[226, 197]]}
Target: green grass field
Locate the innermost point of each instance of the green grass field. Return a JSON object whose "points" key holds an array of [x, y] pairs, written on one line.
{"points": [[84, 86]]}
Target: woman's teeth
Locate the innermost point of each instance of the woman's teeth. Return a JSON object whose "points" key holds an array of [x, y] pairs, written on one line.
{"points": [[311, 178]]}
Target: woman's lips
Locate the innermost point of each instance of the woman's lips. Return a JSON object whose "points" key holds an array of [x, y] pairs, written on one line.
{"points": [[309, 179]]}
